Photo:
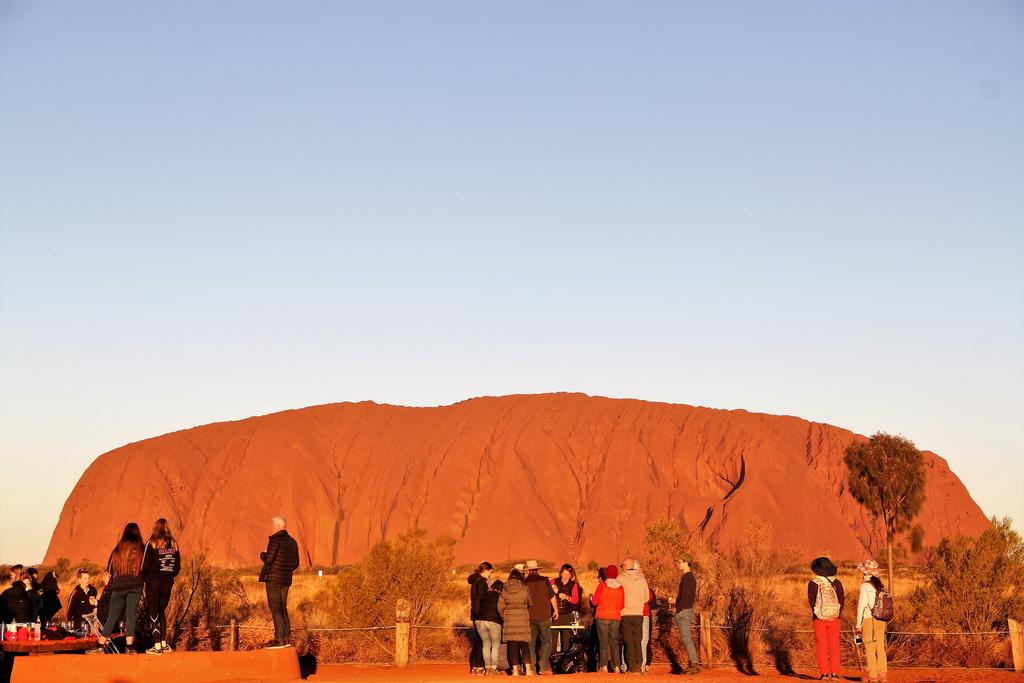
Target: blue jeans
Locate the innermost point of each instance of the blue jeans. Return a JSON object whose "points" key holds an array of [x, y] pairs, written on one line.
{"points": [[684, 620], [122, 602], [490, 634]]}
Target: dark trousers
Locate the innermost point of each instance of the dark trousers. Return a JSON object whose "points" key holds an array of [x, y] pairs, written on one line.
{"points": [[122, 603], [277, 600], [158, 596], [542, 658], [608, 635], [518, 652], [632, 637], [563, 636], [476, 649]]}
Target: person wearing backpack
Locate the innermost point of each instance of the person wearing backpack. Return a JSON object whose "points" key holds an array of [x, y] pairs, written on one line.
{"points": [[874, 610], [826, 598]]}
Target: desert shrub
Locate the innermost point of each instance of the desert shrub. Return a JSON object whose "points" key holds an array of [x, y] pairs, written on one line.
{"points": [[201, 603], [975, 584], [412, 567], [663, 543]]}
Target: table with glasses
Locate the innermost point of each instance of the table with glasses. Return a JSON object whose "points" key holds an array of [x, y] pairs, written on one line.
{"points": [[47, 647]]}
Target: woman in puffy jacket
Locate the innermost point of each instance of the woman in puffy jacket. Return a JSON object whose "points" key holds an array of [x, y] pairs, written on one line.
{"points": [[514, 607]]}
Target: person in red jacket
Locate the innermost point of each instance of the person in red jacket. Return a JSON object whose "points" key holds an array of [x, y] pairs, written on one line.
{"points": [[608, 601]]}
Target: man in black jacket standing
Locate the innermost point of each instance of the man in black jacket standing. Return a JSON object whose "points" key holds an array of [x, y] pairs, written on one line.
{"points": [[280, 560], [684, 601]]}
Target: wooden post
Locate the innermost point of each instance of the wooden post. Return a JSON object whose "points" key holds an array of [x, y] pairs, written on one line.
{"points": [[233, 636], [1017, 645], [402, 629], [706, 651]]}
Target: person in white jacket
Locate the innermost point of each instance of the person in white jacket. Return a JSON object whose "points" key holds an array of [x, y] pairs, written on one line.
{"points": [[872, 630]]}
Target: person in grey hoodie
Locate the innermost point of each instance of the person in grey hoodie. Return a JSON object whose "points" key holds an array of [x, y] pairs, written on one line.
{"points": [[637, 593]]}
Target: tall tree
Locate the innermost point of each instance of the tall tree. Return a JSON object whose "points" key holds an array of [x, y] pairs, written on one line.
{"points": [[887, 476]]}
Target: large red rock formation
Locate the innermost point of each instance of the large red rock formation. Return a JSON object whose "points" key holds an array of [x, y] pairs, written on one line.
{"points": [[554, 476]]}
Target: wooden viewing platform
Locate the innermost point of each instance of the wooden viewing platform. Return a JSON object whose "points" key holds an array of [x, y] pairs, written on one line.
{"points": [[265, 665]]}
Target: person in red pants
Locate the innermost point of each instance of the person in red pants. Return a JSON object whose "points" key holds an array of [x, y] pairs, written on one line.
{"points": [[826, 598]]}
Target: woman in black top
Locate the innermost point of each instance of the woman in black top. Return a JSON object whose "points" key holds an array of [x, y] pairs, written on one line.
{"points": [[19, 603], [567, 588], [125, 569], [51, 598], [161, 562]]}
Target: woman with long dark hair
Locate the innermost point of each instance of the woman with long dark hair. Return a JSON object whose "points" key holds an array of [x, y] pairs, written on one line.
{"points": [[161, 562], [125, 570]]}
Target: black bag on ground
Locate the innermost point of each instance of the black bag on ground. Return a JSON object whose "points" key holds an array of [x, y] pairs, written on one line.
{"points": [[571, 661]]}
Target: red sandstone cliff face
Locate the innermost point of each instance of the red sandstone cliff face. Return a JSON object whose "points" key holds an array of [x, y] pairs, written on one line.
{"points": [[556, 476]]}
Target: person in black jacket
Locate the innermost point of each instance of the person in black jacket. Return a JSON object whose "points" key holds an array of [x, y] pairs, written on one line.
{"points": [[125, 587], [280, 560], [476, 645], [684, 601], [19, 602], [50, 600], [488, 620], [161, 562], [82, 601]]}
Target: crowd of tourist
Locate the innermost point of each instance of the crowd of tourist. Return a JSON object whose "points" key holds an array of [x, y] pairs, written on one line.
{"points": [[136, 567], [528, 612]]}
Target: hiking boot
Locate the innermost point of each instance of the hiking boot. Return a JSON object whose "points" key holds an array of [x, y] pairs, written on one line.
{"points": [[692, 669]]}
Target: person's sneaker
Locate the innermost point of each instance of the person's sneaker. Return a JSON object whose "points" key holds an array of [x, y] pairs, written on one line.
{"points": [[476, 671], [273, 643], [155, 650], [692, 669], [165, 648]]}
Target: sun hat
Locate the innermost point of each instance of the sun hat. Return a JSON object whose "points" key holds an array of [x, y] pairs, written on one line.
{"points": [[869, 567], [532, 564], [822, 566], [684, 557], [519, 566], [611, 572]]}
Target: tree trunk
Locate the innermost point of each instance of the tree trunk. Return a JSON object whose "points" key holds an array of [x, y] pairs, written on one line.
{"points": [[888, 551]]}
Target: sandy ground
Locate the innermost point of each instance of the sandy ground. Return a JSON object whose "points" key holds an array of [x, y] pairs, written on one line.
{"points": [[456, 672]]}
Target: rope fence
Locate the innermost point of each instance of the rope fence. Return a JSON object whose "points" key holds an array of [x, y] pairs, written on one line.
{"points": [[402, 629]]}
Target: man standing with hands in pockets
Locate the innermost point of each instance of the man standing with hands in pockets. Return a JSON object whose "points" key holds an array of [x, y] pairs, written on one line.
{"points": [[684, 601]]}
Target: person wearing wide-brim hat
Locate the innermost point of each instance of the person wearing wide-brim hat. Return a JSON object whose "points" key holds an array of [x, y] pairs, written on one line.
{"points": [[825, 597], [872, 630]]}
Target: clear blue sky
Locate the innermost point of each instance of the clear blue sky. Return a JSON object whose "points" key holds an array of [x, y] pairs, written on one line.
{"points": [[214, 210]]}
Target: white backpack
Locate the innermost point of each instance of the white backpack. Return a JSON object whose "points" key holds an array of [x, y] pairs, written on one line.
{"points": [[827, 605]]}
